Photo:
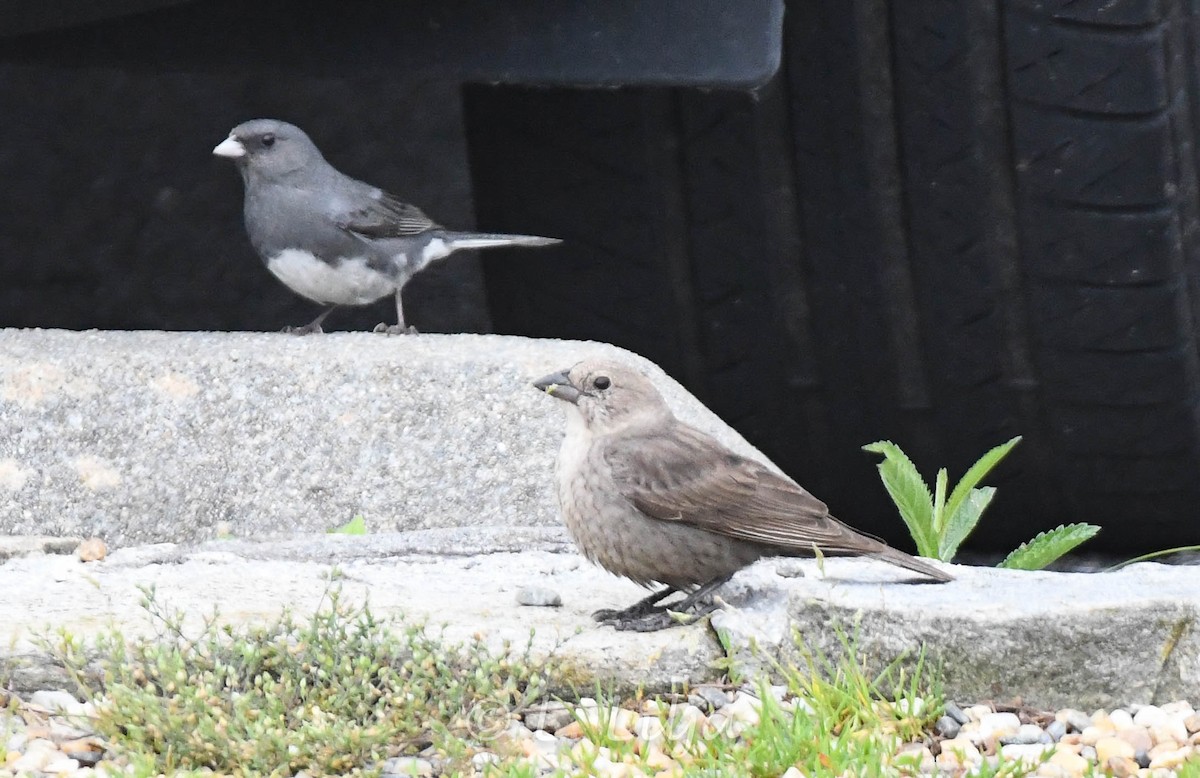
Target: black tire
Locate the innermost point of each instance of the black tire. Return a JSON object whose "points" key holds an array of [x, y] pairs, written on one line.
{"points": [[942, 224]]}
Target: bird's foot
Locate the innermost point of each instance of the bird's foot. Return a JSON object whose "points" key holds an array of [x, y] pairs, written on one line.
{"points": [[662, 618], [643, 606], [647, 616], [382, 328], [307, 329], [612, 616]]}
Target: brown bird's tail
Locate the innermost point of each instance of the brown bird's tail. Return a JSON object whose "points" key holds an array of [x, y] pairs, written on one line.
{"points": [[891, 555]]}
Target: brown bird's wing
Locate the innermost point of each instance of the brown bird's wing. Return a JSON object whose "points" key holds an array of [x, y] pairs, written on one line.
{"points": [[386, 217], [681, 474]]}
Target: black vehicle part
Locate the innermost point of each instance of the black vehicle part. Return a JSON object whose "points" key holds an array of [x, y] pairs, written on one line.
{"points": [[944, 223]]}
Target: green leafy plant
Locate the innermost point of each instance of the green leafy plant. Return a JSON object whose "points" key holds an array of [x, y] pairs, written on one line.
{"points": [[939, 523]]}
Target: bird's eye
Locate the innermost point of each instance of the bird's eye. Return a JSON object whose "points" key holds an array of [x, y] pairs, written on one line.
{"points": [[601, 382], [268, 140]]}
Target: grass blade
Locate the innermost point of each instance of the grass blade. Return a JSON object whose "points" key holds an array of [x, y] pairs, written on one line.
{"points": [[1152, 555]]}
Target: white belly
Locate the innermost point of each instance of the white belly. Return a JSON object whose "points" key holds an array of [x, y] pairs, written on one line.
{"points": [[350, 282]]}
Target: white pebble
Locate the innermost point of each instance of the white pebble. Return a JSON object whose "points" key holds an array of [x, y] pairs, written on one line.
{"points": [[483, 759], [1075, 719], [34, 759], [744, 709], [686, 721], [607, 719], [538, 597], [970, 731], [1169, 731], [1030, 753], [60, 766], [1120, 719], [1171, 759], [958, 753], [60, 732], [408, 765], [544, 742], [515, 732], [1149, 715], [977, 712], [58, 701], [997, 725], [648, 729], [1027, 733]]}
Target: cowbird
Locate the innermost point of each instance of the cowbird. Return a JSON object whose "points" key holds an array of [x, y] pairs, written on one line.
{"points": [[332, 238], [657, 501]]}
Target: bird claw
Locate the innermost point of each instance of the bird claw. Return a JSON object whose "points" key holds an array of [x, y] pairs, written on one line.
{"points": [[612, 616], [307, 329], [383, 328], [664, 619], [654, 618]]}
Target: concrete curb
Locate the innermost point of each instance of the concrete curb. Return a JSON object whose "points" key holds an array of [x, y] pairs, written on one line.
{"points": [[1046, 639], [143, 437], [445, 449]]}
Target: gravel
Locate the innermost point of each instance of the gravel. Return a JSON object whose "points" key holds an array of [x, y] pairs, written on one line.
{"points": [[48, 734]]}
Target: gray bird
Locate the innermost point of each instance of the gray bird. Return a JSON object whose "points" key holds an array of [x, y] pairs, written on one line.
{"points": [[652, 499], [329, 237]]}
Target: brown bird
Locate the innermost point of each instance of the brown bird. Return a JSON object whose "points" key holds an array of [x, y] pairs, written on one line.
{"points": [[652, 499]]}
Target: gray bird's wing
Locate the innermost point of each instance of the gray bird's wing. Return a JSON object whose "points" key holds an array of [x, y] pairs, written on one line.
{"points": [[681, 474], [384, 216]]}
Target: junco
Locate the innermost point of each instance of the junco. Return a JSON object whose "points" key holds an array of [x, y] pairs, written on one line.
{"points": [[332, 238]]}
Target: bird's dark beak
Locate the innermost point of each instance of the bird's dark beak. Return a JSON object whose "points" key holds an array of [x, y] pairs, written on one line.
{"points": [[558, 385], [231, 147]]}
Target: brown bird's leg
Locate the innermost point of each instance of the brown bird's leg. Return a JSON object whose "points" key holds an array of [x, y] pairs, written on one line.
{"points": [[313, 327], [694, 605], [639, 608]]}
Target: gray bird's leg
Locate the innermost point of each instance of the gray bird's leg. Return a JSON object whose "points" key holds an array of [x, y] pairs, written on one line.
{"points": [[639, 608], [313, 327], [694, 607], [398, 328]]}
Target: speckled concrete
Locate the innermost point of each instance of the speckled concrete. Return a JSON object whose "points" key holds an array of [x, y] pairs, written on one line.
{"points": [[151, 437], [143, 437], [1047, 639]]}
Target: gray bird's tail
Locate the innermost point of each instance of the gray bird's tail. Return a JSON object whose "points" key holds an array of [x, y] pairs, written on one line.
{"points": [[889, 554], [487, 240]]}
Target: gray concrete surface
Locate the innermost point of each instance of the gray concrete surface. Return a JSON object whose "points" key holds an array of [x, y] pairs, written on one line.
{"points": [[159, 442], [1046, 639], [142, 437]]}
